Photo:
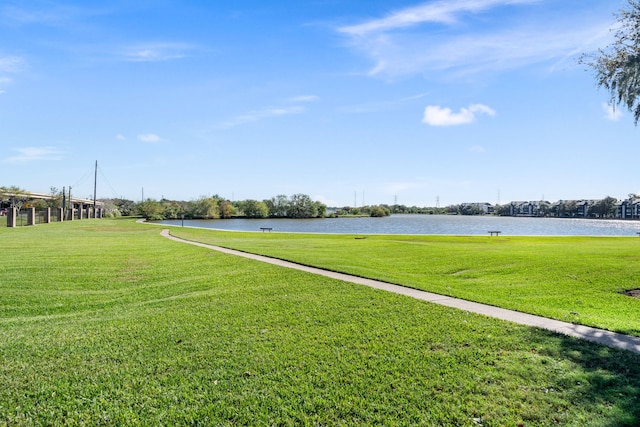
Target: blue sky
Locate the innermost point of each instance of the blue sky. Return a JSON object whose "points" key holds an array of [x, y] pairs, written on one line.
{"points": [[419, 102]]}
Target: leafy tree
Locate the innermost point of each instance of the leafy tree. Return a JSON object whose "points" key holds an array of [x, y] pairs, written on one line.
{"points": [[379, 211], [16, 196], [204, 207], [56, 198], [543, 208], [604, 208], [118, 207], [150, 209], [301, 206], [565, 208], [171, 210], [503, 210], [399, 209], [321, 209], [469, 209], [254, 209], [39, 203], [617, 67], [227, 210], [278, 205]]}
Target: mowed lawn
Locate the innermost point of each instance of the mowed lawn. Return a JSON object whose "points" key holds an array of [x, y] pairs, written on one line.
{"points": [[105, 322], [574, 279]]}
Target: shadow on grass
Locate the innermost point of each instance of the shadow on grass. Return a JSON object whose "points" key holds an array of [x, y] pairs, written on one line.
{"points": [[609, 382]]}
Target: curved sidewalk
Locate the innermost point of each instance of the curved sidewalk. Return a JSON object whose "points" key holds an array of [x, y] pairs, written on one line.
{"points": [[610, 339]]}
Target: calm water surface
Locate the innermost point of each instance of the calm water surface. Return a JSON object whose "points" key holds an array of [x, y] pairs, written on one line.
{"points": [[428, 224]]}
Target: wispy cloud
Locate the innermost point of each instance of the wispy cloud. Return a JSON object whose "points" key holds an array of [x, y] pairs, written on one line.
{"points": [[444, 12], [255, 116], [31, 154], [325, 200], [611, 113], [46, 13], [303, 98], [477, 149], [11, 64], [154, 52], [435, 115], [150, 138], [406, 41], [3, 82]]}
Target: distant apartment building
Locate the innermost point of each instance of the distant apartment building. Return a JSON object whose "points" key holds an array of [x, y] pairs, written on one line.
{"points": [[482, 208], [586, 208], [607, 208], [529, 208], [628, 209]]}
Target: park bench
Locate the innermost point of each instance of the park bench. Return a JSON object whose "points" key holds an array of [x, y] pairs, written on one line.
{"points": [[495, 233], [266, 229]]}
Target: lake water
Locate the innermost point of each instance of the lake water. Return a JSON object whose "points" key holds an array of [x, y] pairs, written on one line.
{"points": [[428, 224]]}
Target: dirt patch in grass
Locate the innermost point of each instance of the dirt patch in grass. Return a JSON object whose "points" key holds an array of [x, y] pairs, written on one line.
{"points": [[633, 293]]}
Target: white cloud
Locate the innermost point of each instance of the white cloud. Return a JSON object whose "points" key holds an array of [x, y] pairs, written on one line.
{"points": [[121, 137], [303, 98], [30, 154], [325, 200], [11, 64], [258, 115], [477, 149], [445, 12], [154, 52], [47, 13], [151, 138], [611, 112], [435, 115], [406, 42]]}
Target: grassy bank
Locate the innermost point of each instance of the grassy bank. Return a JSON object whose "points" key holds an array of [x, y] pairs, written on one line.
{"points": [[575, 279], [104, 322]]}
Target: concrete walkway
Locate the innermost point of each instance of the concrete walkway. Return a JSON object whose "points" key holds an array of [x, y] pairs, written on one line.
{"points": [[600, 336]]}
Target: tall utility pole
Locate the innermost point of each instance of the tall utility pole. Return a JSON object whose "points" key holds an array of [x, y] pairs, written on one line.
{"points": [[95, 181]]}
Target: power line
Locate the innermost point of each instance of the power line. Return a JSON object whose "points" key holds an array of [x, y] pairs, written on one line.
{"points": [[83, 178], [114, 193]]}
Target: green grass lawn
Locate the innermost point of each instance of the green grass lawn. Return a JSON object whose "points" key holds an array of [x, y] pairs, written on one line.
{"points": [[105, 322], [575, 279]]}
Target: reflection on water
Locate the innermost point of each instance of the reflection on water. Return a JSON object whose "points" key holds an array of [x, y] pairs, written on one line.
{"points": [[428, 224]]}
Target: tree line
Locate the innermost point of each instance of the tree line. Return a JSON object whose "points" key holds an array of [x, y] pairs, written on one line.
{"points": [[215, 207], [205, 207]]}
